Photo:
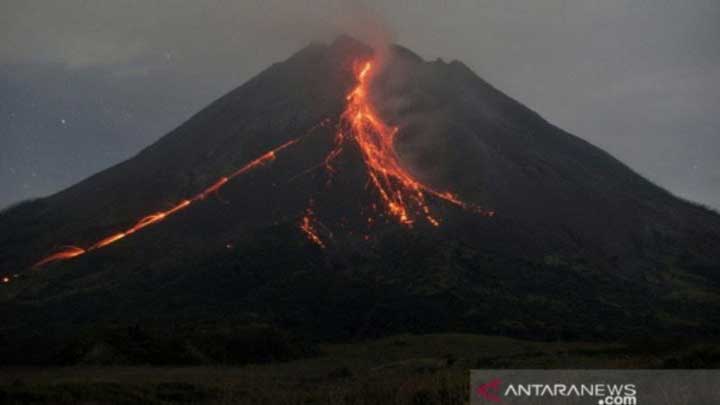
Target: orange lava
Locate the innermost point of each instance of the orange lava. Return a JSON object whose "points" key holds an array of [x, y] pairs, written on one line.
{"points": [[309, 229], [65, 254], [404, 197], [71, 252]]}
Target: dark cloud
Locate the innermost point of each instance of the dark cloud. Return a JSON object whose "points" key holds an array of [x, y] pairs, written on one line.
{"points": [[639, 78]]}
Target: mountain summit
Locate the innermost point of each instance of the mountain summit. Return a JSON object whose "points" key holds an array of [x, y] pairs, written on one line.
{"points": [[337, 195]]}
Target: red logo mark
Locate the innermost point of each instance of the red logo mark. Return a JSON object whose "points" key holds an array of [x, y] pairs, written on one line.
{"points": [[490, 390]]}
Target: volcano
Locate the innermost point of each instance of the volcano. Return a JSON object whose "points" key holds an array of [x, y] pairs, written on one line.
{"points": [[341, 195]]}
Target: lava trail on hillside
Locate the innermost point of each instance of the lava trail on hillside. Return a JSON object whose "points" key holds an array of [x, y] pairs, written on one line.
{"points": [[70, 252]]}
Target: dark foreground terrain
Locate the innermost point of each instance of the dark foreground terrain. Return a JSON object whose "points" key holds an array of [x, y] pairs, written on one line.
{"points": [[403, 369]]}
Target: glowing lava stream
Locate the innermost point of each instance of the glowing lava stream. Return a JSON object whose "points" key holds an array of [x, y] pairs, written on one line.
{"points": [[70, 252], [309, 229], [404, 197]]}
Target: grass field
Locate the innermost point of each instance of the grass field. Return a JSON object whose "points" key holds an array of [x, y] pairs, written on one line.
{"points": [[427, 369]]}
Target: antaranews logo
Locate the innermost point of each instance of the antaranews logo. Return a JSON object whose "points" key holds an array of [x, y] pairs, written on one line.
{"points": [[489, 391], [494, 391], [594, 387]]}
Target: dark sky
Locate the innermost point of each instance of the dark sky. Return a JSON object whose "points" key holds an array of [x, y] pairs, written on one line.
{"points": [[86, 84]]}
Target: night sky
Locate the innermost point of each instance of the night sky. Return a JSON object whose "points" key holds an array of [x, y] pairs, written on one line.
{"points": [[87, 84]]}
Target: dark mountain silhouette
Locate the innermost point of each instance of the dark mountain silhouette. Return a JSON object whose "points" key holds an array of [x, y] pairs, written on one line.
{"points": [[580, 246]]}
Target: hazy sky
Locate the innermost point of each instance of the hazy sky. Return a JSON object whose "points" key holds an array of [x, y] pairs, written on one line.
{"points": [[86, 84]]}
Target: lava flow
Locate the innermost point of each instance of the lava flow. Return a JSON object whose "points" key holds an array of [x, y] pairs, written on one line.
{"points": [[71, 252], [403, 197], [308, 228]]}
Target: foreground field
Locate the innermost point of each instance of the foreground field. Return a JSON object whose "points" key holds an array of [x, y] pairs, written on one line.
{"points": [[429, 369]]}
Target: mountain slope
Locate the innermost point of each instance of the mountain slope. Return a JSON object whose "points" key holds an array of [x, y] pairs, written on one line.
{"points": [[579, 246]]}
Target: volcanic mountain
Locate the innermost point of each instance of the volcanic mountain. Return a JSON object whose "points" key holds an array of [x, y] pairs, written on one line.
{"points": [[338, 194]]}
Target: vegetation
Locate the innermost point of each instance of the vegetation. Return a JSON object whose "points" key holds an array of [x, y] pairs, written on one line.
{"points": [[403, 369], [198, 344]]}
